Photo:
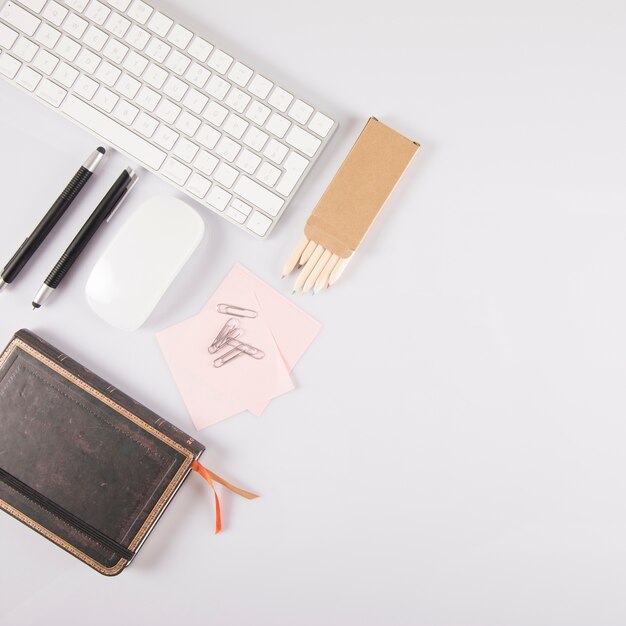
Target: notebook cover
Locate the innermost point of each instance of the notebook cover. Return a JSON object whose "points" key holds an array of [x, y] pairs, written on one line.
{"points": [[360, 188], [81, 462]]}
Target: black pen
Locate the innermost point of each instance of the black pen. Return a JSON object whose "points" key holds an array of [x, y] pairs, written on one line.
{"points": [[103, 212], [50, 219]]}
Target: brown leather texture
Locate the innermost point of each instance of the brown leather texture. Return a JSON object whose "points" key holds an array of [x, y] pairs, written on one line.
{"points": [[89, 448]]}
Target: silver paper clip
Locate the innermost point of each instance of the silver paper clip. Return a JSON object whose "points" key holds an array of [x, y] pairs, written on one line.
{"points": [[223, 335], [246, 348], [228, 357], [231, 309]]}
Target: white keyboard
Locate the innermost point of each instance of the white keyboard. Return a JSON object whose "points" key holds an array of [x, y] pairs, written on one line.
{"points": [[183, 108]]}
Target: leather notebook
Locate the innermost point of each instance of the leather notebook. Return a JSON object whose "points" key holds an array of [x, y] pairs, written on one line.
{"points": [[81, 462]]}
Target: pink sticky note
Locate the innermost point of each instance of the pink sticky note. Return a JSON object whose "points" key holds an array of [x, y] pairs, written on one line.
{"points": [[281, 330]]}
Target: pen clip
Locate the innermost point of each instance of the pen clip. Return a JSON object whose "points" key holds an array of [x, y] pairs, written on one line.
{"points": [[131, 184]]}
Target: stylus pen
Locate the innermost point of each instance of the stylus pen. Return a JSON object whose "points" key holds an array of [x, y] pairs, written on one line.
{"points": [[103, 212], [50, 219]]}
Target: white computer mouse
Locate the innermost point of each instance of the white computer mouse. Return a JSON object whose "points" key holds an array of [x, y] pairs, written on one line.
{"points": [[141, 262]]}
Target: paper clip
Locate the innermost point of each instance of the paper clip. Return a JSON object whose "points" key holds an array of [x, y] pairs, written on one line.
{"points": [[246, 348], [228, 357], [233, 334], [231, 309], [223, 335]]}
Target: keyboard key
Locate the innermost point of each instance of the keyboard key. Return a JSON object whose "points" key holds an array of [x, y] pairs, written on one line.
{"points": [[47, 36], [51, 93], [87, 61], [28, 78], [227, 149], [268, 174], [157, 50], [34, 5], [115, 51], [208, 136], [125, 112], [135, 63], [65, 74], [215, 113], [300, 111], [237, 100], [148, 98], [259, 223], [218, 198], [303, 141], [97, 12], [258, 113], [9, 65], [145, 124], [45, 62], [55, 13], [77, 5], [155, 76], [197, 75], [280, 99], [67, 48], [176, 171], [187, 123], [240, 74], [139, 11], [198, 185], [95, 38], [275, 151], [320, 124], [234, 214], [113, 132], [137, 37], [195, 101], [217, 87], [165, 137], [235, 126], [177, 62], [75, 26], [278, 125], [260, 86], [206, 162], [167, 111], [295, 166], [19, 18], [248, 161], [107, 73], [220, 61], [106, 99], [225, 175], [180, 36], [160, 24], [85, 87], [7, 36], [25, 49], [258, 195], [255, 138], [117, 25], [128, 86], [175, 88], [241, 206], [200, 49], [121, 5], [185, 150]]}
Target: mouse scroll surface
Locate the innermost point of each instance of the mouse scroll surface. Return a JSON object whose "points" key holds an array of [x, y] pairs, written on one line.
{"points": [[141, 262]]}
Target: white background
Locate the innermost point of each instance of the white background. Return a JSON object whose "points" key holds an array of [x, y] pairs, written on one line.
{"points": [[453, 453]]}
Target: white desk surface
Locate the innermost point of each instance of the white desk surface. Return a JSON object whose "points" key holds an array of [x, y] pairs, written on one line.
{"points": [[454, 452]]}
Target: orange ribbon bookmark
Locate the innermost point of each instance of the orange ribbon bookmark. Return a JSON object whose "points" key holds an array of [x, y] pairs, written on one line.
{"points": [[210, 476]]}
